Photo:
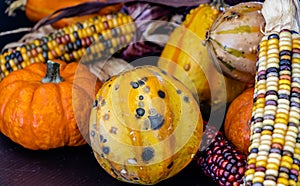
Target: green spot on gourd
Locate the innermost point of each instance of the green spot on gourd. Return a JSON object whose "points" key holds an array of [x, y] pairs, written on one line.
{"points": [[236, 30]]}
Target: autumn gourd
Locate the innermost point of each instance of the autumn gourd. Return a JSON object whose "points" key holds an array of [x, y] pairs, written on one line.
{"points": [[145, 126], [233, 39], [237, 121], [36, 104], [187, 59]]}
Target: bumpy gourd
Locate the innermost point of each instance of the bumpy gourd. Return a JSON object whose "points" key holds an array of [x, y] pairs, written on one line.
{"points": [[187, 58], [233, 39], [145, 126], [36, 104]]}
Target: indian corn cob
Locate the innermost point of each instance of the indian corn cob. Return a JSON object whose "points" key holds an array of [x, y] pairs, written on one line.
{"points": [[219, 160], [274, 157], [101, 36]]}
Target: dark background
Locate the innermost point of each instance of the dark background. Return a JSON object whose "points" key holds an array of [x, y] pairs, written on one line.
{"points": [[10, 23], [62, 166]]}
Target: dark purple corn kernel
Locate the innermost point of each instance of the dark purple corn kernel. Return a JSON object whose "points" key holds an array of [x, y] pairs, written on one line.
{"points": [[269, 117], [294, 32], [268, 127], [271, 102], [285, 52], [284, 96], [272, 36], [284, 169], [275, 150]]}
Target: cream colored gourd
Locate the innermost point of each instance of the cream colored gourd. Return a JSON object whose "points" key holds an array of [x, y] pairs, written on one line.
{"points": [[233, 39]]}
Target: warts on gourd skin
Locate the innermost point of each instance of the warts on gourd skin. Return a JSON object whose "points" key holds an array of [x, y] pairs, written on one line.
{"points": [[161, 94], [233, 15], [147, 154]]}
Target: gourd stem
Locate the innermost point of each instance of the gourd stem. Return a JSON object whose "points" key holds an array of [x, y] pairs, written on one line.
{"points": [[219, 4], [53, 73]]}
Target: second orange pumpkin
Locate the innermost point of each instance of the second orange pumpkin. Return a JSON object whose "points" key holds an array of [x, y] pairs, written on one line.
{"points": [[237, 121], [38, 9]]}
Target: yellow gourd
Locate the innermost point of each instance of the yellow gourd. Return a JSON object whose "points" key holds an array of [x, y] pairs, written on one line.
{"points": [[145, 126]]}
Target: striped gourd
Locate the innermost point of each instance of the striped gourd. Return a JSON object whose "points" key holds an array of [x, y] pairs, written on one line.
{"points": [[233, 39], [274, 157], [101, 35]]}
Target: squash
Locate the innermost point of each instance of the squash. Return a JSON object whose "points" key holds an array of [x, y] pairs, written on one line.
{"points": [[233, 39], [237, 121], [35, 10], [36, 104], [187, 58], [145, 126]]}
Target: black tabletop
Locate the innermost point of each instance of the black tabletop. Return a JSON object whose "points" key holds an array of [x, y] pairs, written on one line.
{"points": [[70, 166]]}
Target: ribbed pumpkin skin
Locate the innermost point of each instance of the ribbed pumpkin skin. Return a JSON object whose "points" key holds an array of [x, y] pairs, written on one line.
{"points": [[233, 40], [36, 10], [39, 115], [237, 121], [187, 58], [150, 146]]}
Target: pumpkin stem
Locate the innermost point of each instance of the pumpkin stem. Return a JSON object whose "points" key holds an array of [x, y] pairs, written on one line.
{"points": [[53, 73]]}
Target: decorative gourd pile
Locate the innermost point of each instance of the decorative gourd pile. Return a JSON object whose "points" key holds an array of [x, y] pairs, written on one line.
{"points": [[146, 123]]}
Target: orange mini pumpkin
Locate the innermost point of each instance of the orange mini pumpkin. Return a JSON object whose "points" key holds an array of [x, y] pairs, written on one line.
{"points": [[237, 121], [36, 104]]}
